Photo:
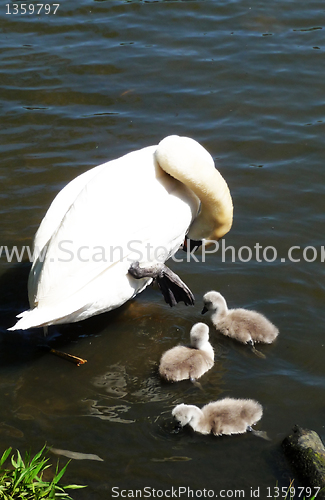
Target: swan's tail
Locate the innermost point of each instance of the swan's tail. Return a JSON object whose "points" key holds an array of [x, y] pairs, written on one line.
{"points": [[46, 316], [29, 319], [43, 317]]}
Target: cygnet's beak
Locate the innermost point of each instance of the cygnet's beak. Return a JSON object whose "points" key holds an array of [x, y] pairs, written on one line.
{"points": [[177, 427], [204, 310]]}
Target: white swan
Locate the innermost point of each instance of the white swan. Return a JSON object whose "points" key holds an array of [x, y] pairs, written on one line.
{"points": [[108, 232], [226, 416], [181, 362], [243, 325]]}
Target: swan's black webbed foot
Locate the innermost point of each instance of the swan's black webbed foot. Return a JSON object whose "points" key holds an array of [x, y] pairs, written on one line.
{"points": [[172, 287]]}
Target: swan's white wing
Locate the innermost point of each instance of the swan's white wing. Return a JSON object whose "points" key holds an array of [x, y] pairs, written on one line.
{"points": [[60, 206], [128, 210]]}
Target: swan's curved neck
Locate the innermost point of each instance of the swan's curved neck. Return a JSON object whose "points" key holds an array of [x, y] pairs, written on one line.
{"points": [[195, 416], [208, 349], [215, 217], [220, 307], [188, 162]]}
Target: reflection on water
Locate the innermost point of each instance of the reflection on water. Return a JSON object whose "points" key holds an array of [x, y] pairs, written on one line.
{"points": [[98, 80]]}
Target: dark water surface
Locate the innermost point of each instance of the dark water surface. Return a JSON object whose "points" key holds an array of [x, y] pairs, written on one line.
{"points": [[97, 80]]}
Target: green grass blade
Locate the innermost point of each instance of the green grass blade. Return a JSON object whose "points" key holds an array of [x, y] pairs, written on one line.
{"points": [[79, 486], [5, 455], [58, 475]]}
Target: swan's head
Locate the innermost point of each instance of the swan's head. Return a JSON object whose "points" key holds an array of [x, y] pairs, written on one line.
{"points": [[199, 335], [212, 301], [183, 157], [189, 162]]}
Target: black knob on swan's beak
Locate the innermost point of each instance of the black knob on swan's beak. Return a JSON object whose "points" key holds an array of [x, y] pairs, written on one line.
{"points": [[191, 244], [204, 310]]}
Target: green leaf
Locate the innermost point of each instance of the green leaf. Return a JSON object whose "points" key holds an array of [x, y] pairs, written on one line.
{"points": [[58, 476], [75, 486], [5, 456]]}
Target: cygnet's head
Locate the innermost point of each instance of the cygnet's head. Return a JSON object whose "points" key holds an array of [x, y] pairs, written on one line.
{"points": [[181, 414], [199, 335], [212, 300]]}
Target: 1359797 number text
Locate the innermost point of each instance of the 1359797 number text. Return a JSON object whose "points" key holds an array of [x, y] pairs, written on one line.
{"points": [[31, 8]]}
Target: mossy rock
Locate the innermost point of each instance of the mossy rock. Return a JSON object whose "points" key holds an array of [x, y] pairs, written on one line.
{"points": [[306, 452]]}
